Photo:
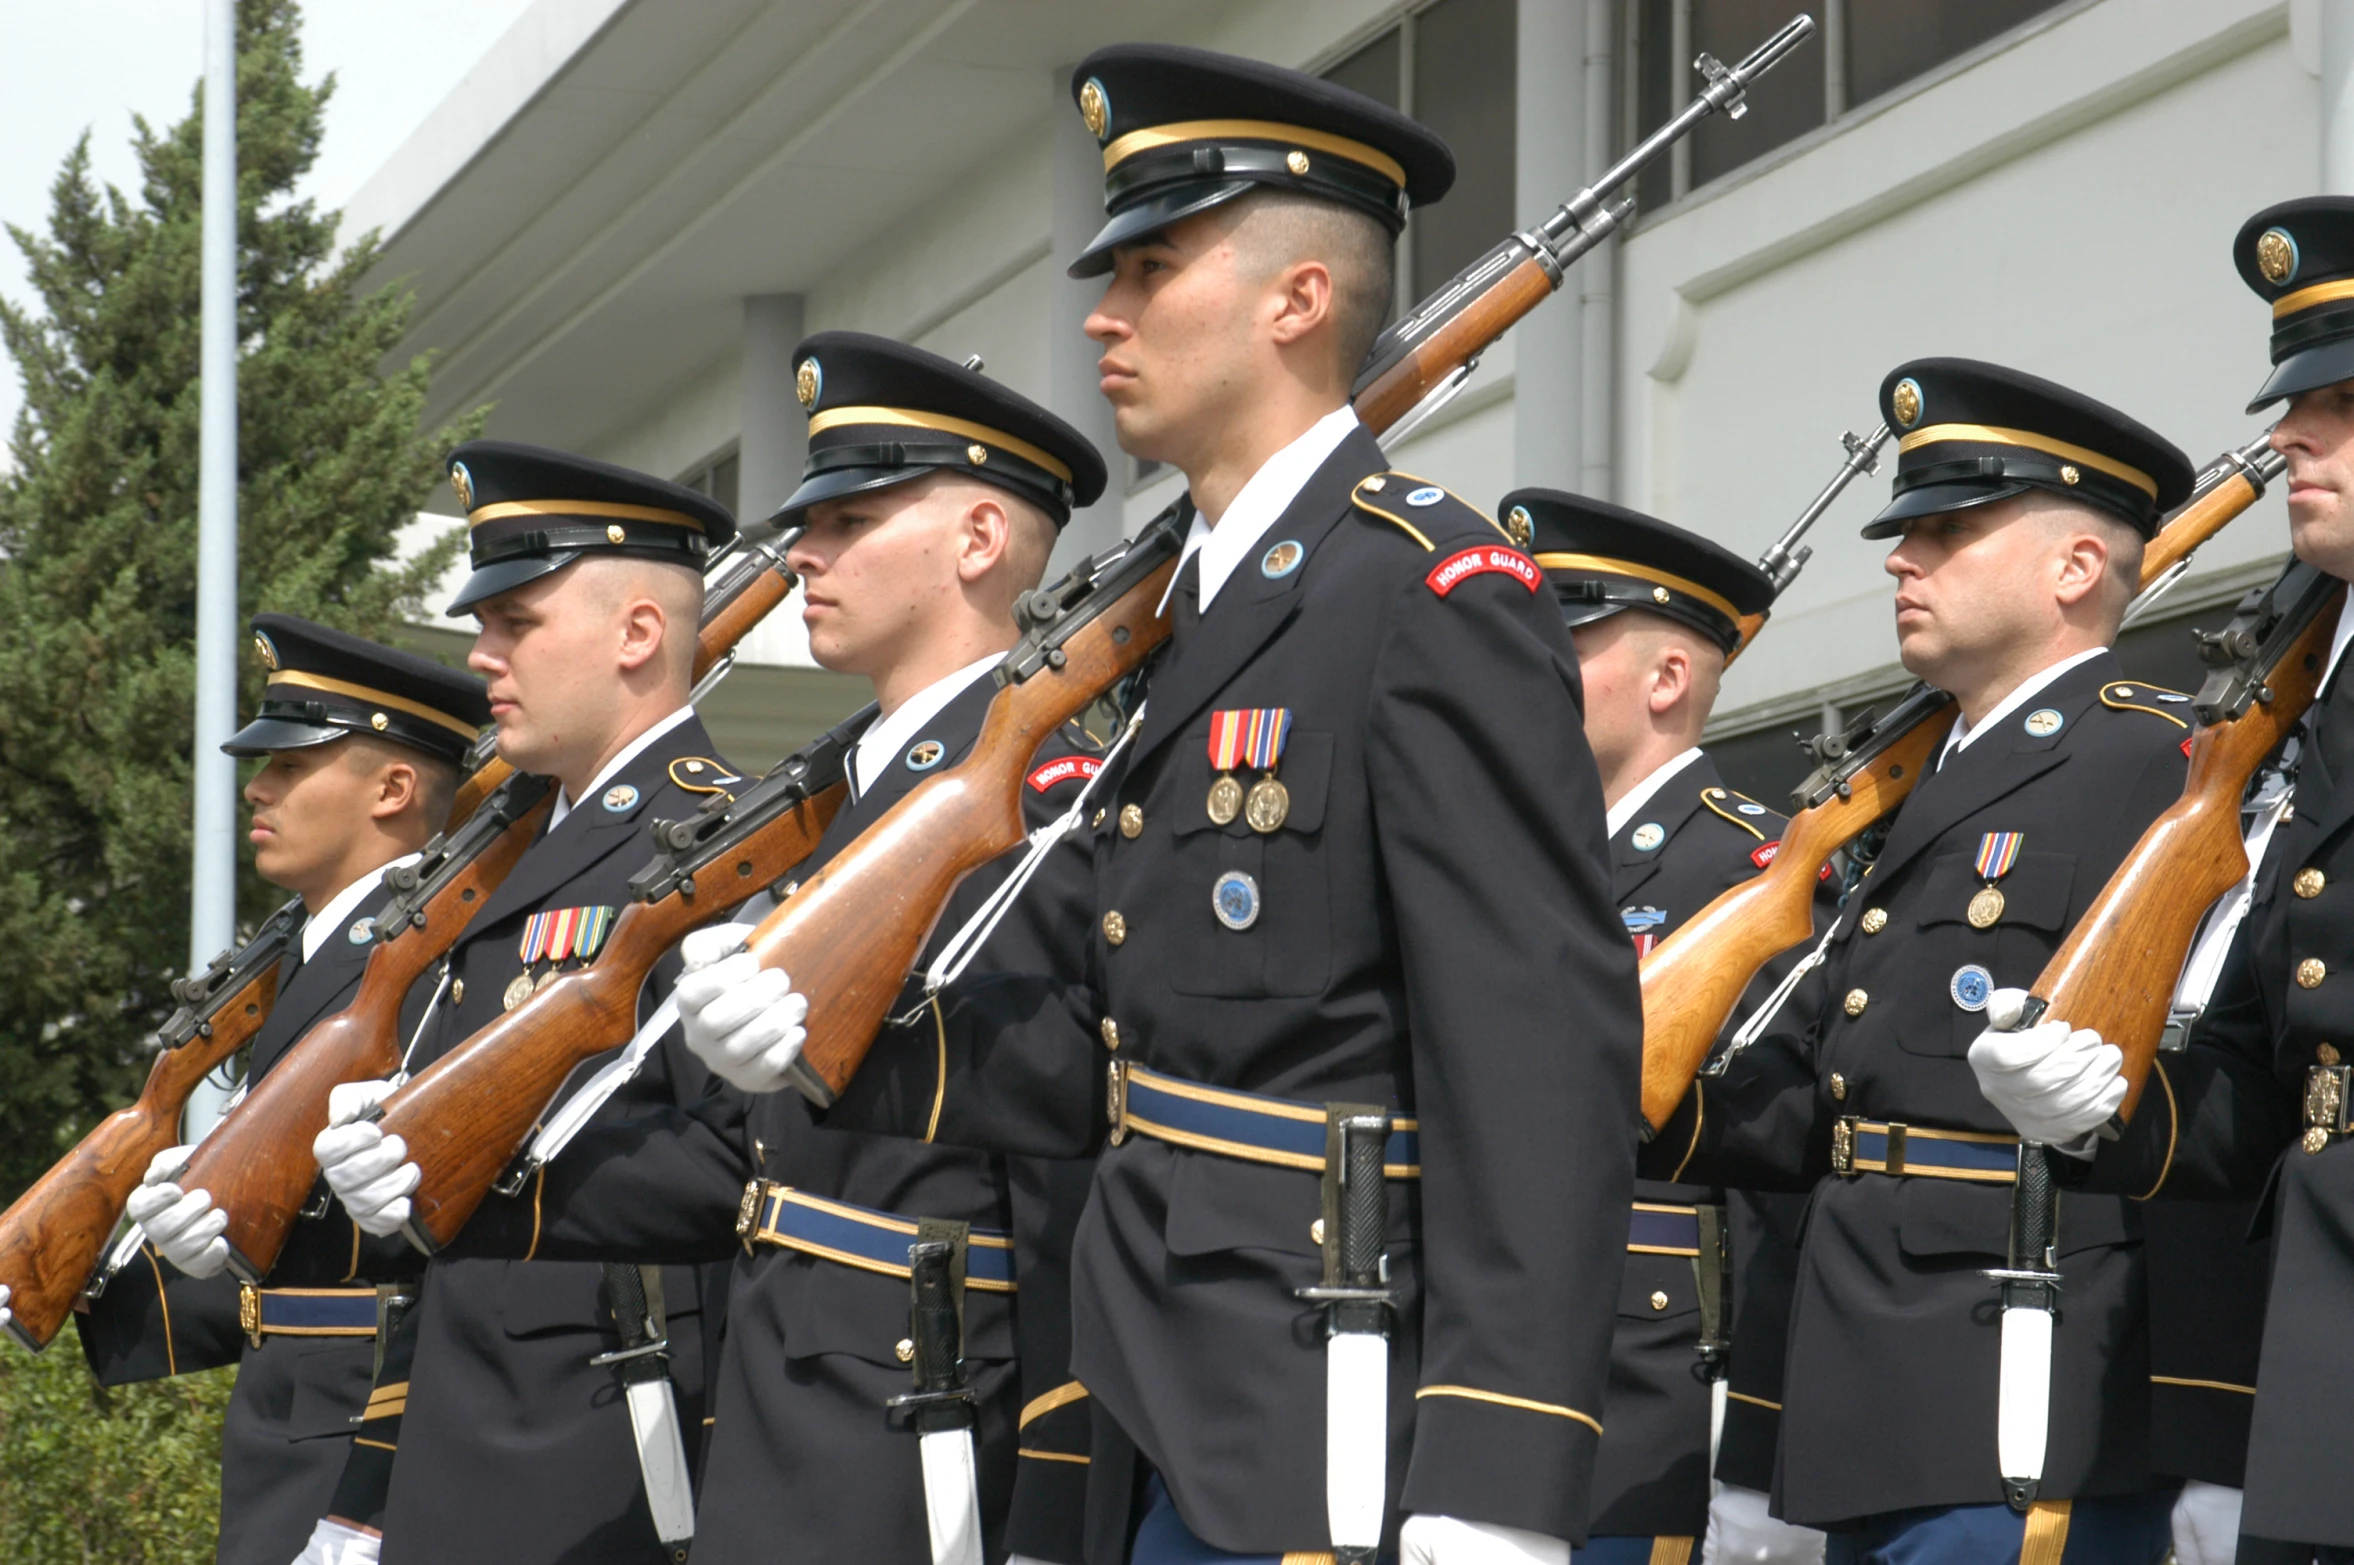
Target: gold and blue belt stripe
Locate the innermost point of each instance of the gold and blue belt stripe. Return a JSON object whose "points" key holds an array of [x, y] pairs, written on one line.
{"points": [[1864, 1146], [861, 1236], [305, 1312], [1663, 1230], [1246, 1125]]}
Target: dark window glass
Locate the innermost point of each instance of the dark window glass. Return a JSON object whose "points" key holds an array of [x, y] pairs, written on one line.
{"points": [[1373, 70], [1463, 89], [1657, 74], [724, 473], [1889, 42], [1784, 106]]}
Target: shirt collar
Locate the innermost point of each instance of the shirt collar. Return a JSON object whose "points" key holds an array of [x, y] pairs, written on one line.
{"points": [[886, 736], [1964, 731], [1641, 794], [2337, 648], [1262, 500], [629, 752], [340, 906]]}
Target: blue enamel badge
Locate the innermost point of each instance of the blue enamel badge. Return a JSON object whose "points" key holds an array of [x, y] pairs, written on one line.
{"points": [[1647, 836], [925, 755], [1428, 494], [1639, 919], [1235, 899], [1281, 560], [2043, 722], [619, 797], [361, 932], [1970, 987]]}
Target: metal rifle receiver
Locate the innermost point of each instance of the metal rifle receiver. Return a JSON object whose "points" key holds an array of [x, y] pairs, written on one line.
{"points": [[200, 994], [2245, 652], [449, 854], [1051, 615], [686, 846], [1788, 557]]}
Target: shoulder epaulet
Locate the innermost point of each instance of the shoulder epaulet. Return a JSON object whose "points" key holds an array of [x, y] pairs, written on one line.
{"points": [[1080, 737], [703, 774], [1419, 508], [2134, 695], [1739, 808]]}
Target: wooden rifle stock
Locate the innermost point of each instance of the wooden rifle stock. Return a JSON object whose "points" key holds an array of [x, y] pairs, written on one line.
{"points": [[2116, 972], [257, 1162], [54, 1235], [1424, 368], [466, 1116], [1694, 978]]}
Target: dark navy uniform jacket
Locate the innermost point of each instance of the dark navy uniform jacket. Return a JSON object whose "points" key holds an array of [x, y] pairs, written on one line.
{"points": [[802, 1454], [1436, 902], [289, 1423], [1894, 1338]]}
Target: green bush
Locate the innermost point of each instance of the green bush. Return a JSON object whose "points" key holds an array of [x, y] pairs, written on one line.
{"points": [[130, 1476]]}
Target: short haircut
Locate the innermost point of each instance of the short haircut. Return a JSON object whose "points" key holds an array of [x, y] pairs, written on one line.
{"points": [[677, 588], [2121, 579], [437, 779], [1275, 228]]}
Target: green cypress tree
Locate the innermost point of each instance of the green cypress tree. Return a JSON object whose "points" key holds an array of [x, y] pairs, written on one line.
{"points": [[98, 557]]}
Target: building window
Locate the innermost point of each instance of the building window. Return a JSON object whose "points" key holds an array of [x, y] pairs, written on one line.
{"points": [[717, 480], [1451, 66], [1864, 48]]}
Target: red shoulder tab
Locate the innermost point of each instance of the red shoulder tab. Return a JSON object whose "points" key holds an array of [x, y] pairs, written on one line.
{"points": [[1063, 770], [1456, 569], [1763, 853], [2186, 744]]}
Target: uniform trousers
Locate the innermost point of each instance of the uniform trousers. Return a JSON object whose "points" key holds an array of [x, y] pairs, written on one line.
{"points": [[2131, 1529]]}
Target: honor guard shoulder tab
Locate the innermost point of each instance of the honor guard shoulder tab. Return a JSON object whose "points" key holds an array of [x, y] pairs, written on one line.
{"points": [[2136, 695], [704, 774], [1743, 811], [1423, 511]]}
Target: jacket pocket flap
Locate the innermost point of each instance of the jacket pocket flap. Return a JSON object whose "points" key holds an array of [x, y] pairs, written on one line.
{"points": [[1305, 771], [1658, 1287], [331, 1385], [2035, 892], [828, 1307]]}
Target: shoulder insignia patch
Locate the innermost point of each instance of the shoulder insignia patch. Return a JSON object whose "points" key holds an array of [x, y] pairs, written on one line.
{"points": [[2132, 695], [1487, 559], [703, 774], [1738, 808], [1064, 769], [1390, 495]]}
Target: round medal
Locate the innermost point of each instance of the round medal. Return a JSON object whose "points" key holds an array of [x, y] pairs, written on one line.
{"points": [[1269, 803], [1235, 899], [1971, 986], [1986, 907], [518, 991], [1225, 800]]}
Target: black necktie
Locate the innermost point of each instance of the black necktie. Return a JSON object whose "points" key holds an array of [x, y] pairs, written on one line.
{"points": [[1186, 605]]}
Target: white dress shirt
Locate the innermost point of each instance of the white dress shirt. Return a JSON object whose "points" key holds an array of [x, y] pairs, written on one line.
{"points": [[1963, 731], [629, 752], [330, 918], [886, 736], [1629, 807], [1268, 495]]}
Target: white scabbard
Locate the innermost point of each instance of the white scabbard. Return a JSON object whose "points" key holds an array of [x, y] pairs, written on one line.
{"points": [[662, 1460], [1356, 1436], [2023, 1409], [952, 1496]]}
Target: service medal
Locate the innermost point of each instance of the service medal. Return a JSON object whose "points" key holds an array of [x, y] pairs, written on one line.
{"points": [[1997, 852], [518, 991], [1268, 806], [1986, 908], [1225, 800]]}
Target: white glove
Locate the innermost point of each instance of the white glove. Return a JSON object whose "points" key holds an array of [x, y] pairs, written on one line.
{"points": [[1740, 1532], [332, 1543], [2055, 1084], [1442, 1540], [740, 1019], [2206, 1524], [6, 1315], [369, 1171], [183, 1225]]}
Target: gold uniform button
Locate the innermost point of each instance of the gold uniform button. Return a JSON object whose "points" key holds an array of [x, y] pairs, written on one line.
{"points": [[1838, 1087], [1111, 1033], [1098, 821], [1874, 920], [2308, 883], [457, 991], [2325, 1054], [1659, 1301], [1316, 1231], [1856, 1001], [1115, 927], [2311, 972], [904, 1350], [1131, 821]]}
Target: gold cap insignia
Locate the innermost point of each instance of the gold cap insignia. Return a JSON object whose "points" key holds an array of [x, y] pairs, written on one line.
{"points": [[615, 533], [1905, 402], [808, 380], [2069, 474], [1518, 527], [976, 453], [462, 485], [1095, 108], [378, 721], [1296, 161], [261, 644], [2276, 255]]}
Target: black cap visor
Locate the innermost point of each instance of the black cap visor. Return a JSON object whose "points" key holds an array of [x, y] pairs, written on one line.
{"points": [[1150, 214], [1936, 499], [2323, 364], [267, 735], [488, 581], [820, 487]]}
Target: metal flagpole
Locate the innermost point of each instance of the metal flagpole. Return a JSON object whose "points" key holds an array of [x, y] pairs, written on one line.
{"points": [[212, 910]]}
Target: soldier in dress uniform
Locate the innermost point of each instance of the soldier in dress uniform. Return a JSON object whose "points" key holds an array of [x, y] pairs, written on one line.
{"points": [[2020, 510], [931, 501], [1655, 612], [363, 745], [2257, 1102], [491, 1435], [1350, 878]]}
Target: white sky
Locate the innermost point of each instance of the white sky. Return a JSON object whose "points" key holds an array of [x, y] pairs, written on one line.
{"points": [[75, 65]]}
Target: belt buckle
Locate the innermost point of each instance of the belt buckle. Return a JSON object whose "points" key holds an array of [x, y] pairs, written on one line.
{"points": [[1115, 1100], [249, 1312], [1843, 1145], [748, 1210], [2325, 1105]]}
